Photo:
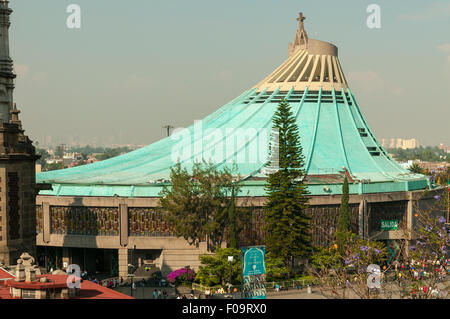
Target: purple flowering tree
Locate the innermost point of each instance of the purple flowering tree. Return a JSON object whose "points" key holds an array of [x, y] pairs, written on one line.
{"points": [[425, 275], [342, 269], [419, 271]]}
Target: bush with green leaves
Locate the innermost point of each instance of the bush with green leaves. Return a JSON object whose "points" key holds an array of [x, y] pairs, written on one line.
{"points": [[215, 268], [276, 268]]}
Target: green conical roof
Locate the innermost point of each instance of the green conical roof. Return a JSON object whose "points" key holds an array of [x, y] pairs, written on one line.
{"points": [[335, 137]]}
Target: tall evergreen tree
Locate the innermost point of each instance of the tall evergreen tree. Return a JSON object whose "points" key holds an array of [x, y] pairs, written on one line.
{"points": [[232, 230], [344, 210], [285, 219]]}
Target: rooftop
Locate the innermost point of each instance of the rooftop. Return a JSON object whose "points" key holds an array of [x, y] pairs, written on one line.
{"points": [[334, 136], [88, 290]]}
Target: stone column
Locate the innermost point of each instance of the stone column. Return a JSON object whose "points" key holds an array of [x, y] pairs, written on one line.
{"points": [[30, 275], [123, 216], [20, 271], [409, 216], [123, 262], [46, 222]]}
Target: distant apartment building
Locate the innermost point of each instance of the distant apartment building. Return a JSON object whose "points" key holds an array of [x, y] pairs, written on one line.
{"points": [[444, 148], [400, 143], [408, 143]]}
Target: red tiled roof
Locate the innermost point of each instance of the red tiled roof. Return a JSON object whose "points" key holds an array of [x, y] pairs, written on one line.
{"points": [[88, 289], [4, 274]]}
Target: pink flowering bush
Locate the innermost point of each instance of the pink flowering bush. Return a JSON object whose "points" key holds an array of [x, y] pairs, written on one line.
{"points": [[182, 275]]}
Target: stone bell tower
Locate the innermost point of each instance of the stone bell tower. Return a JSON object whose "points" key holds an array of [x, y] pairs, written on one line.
{"points": [[6, 64], [17, 163]]}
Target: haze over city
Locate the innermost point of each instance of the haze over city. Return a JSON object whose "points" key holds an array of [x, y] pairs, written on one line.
{"points": [[135, 67]]}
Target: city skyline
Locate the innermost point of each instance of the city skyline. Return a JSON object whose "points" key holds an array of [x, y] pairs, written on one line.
{"points": [[69, 79]]}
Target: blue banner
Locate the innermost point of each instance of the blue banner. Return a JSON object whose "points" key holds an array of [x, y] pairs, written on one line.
{"points": [[254, 272]]}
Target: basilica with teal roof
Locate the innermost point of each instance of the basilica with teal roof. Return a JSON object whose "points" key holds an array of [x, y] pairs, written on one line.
{"points": [[107, 210]]}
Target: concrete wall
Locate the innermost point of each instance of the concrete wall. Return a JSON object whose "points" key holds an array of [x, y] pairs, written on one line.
{"points": [[176, 252]]}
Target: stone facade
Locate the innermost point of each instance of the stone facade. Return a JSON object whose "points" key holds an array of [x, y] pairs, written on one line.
{"points": [[149, 234]]}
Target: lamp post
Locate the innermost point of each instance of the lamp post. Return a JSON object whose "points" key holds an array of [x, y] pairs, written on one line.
{"points": [[132, 281], [230, 261]]}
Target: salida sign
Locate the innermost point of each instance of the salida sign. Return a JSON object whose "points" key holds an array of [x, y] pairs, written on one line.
{"points": [[389, 224], [254, 272]]}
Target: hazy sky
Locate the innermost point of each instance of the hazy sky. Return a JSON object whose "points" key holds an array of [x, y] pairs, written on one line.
{"points": [[137, 65]]}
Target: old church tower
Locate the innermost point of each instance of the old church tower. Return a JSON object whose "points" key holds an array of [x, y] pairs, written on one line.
{"points": [[17, 163]]}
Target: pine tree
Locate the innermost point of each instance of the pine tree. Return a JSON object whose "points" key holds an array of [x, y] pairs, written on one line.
{"points": [[344, 210], [285, 219], [232, 233]]}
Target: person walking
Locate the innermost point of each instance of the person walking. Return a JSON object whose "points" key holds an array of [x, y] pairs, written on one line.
{"points": [[155, 294], [159, 294], [165, 293]]}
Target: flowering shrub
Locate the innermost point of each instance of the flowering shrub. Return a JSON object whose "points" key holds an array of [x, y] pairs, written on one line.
{"points": [[182, 275], [343, 267]]}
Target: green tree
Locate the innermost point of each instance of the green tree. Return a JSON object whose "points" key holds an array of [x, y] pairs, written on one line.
{"points": [[415, 168], [53, 166], [44, 156], [59, 152], [197, 203], [285, 219], [232, 227], [215, 268], [428, 154], [344, 209], [275, 268], [84, 156], [112, 152]]}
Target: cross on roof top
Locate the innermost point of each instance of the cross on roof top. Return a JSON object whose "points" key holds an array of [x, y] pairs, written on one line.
{"points": [[300, 19]]}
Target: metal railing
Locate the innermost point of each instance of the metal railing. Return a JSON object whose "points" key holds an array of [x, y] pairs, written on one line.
{"points": [[294, 283]]}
